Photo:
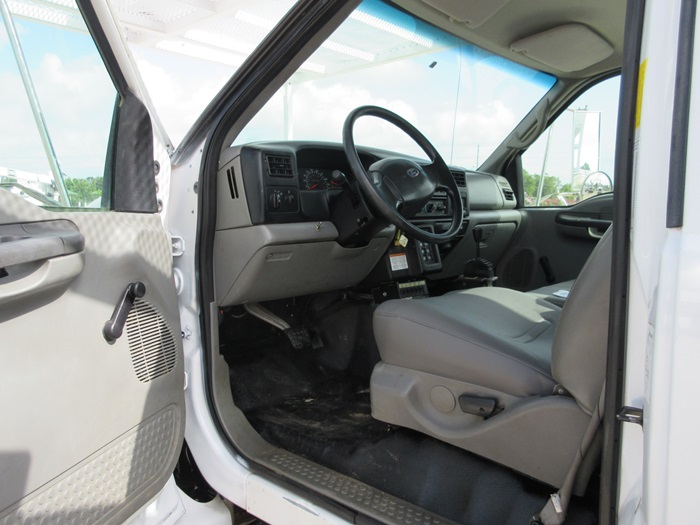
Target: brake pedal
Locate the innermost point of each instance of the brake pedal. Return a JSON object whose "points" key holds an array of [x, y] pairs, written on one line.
{"points": [[297, 335]]}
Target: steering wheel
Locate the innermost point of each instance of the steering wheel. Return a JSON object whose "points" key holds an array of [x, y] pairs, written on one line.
{"points": [[398, 188]]}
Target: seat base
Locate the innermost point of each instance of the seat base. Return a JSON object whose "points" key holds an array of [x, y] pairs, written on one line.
{"points": [[537, 436]]}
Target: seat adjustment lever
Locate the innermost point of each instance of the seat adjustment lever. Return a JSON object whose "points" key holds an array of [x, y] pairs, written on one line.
{"points": [[479, 406]]}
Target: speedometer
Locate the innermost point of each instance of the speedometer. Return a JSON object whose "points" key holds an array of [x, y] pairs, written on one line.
{"points": [[313, 179]]}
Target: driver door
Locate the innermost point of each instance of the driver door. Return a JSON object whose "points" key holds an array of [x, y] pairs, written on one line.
{"points": [[91, 374]]}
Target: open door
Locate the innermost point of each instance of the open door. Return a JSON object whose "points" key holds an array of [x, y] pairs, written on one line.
{"points": [[91, 374]]}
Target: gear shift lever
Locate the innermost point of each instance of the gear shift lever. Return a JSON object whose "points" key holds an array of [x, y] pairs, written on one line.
{"points": [[478, 234], [479, 269]]}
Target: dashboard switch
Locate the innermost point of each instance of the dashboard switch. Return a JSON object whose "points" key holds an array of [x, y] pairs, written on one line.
{"points": [[276, 199], [282, 199]]}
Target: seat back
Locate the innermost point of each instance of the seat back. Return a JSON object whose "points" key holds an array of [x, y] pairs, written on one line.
{"points": [[580, 343]]}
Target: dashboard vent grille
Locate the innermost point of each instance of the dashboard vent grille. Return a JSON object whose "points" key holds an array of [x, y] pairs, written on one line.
{"points": [[460, 178], [279, 166], [232, 186], [508, 193]]}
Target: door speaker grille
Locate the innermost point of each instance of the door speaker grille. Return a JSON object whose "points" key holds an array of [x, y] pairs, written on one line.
{"points": [[151, 343]]}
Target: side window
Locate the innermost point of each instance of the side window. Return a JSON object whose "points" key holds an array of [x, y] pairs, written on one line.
{"points": [[56, 105], [574, 158]]}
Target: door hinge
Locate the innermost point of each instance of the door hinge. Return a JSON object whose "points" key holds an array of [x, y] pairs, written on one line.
{"points": [[631, 415]]}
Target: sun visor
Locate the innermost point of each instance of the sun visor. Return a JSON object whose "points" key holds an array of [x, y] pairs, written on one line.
{"points": [[571, 47], [473, 13]]}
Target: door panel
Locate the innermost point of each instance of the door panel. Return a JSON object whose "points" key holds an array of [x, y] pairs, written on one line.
{"points": [[91, 430], [553, 244]]}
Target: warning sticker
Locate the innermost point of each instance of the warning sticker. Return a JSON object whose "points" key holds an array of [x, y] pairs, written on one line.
{"points": [[398, 262], [640, 92]]}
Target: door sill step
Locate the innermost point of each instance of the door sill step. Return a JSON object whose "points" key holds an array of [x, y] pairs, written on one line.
{"points": [[358, 496]]}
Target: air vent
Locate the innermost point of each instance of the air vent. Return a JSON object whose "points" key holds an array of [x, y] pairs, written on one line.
{"points": [[279, 166], [460, 178], [232, 183], [508, 193], [152, 345]]}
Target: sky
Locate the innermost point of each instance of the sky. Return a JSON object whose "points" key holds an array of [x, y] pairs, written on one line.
{"points": [[464, 100], [467, 91], [601, 98], [76, 97]]}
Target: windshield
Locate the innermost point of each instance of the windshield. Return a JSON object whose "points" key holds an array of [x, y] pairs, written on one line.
{"points": [[464, 99], [186, 51]]}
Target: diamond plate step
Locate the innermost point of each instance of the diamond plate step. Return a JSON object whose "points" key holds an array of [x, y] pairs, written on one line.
{"points": [[354, 494]]}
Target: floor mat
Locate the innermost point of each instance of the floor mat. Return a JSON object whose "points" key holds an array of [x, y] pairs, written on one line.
{"points": [[325, 416]]}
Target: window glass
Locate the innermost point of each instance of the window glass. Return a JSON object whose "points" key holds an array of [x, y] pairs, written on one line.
{"points": [[576, 153], [53, 152], [187, 51], [463, 99]]}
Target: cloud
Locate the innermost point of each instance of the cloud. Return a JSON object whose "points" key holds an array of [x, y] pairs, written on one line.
{"points": [[424, 96], [319, 113], [20, 145], [180, 89], [77, 99], [479, 128]]}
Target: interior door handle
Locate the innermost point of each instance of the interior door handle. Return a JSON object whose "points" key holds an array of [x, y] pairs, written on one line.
{"points": [[582, 221], [25, 243], [38, 258]]}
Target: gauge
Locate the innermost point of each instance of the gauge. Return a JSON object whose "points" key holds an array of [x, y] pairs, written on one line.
{"points": [[313, 179]]}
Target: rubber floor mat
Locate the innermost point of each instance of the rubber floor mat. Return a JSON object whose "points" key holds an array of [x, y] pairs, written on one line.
{"points": [[325, 416]]}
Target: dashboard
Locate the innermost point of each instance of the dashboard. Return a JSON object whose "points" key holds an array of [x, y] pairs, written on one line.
{"points": [[281, 228], [319, 179]]}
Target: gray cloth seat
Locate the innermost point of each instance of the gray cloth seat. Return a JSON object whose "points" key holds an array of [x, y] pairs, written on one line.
{"points": [[542, 364], [554, 292], [495, 337]]}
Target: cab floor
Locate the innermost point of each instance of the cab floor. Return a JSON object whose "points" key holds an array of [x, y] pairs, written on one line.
{"points": [[324, 416]]}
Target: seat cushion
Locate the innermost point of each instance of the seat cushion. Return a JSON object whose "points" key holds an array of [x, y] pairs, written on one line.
{"points": [[493, 337]]}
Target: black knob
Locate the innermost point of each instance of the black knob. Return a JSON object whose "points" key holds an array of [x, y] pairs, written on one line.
{"points": [[275, 200]]}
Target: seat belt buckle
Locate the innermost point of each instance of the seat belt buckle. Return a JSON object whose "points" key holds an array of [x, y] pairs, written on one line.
{"points": [[553, 512]]}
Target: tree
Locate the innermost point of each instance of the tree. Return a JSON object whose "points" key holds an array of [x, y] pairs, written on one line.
{"points": [[531, 183], [566, 188], [83, 191]]}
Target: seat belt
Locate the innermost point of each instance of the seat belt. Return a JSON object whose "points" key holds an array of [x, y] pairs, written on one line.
{"points": [[554, 512]]}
